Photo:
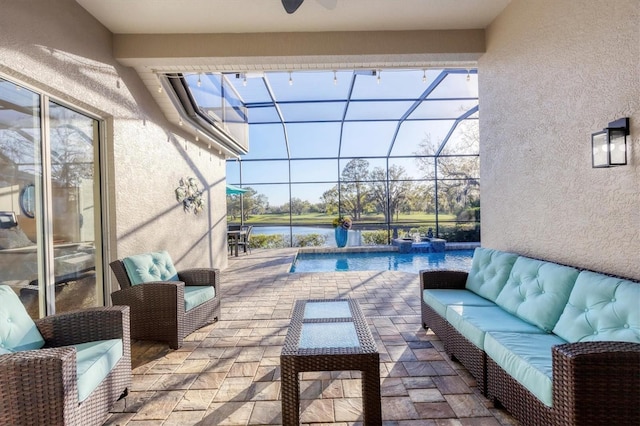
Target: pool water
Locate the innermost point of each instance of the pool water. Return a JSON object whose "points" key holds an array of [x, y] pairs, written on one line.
{"points": [[459, 260]]}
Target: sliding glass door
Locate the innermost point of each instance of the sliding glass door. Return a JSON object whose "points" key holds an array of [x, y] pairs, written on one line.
{"points": [[50, 224]]}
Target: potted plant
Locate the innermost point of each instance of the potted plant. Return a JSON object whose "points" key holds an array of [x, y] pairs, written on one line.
{"points": [[342, 225]]}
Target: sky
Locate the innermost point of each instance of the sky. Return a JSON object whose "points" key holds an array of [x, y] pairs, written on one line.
{"points": [[313, 105]]}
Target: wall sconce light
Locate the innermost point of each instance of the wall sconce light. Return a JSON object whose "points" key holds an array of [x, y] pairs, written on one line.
{"points": [[609, 146]]}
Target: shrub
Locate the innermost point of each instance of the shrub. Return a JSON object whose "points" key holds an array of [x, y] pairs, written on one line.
{"points": [[268, 241], [309, 240], [470, 214], [461, 233], [379, 237]]}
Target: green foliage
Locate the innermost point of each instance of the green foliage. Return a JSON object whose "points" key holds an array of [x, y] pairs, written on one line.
{"points": [[268, 241], [355, 190], [461, 233], [309, 240], [326, 219], [378, 237], [471, 214]]}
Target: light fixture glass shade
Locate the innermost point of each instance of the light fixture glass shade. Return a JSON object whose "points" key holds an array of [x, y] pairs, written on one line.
{"points": [[600, 149], [617, 147]]}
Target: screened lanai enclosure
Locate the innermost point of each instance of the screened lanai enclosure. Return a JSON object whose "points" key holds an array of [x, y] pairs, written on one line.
{"points": [[395, 150]]}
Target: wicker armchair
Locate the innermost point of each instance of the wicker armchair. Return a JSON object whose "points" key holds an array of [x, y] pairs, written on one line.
{"points": [[158, 307], [39, 387]]}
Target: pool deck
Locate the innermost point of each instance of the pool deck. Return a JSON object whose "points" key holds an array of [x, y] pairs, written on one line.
{"points": [[228, 373]]}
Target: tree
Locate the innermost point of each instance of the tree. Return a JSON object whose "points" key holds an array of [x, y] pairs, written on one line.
{"points": [[254, 203], [234, 207], [354, 190], [399, 189], [458, 183], [421, 197], [249, 203], [297, 206], [330, 200]]}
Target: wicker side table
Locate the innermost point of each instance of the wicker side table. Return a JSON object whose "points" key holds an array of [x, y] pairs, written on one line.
{"points": [[329, 335]]}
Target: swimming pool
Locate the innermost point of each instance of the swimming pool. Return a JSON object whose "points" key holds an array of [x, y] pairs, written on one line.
{"points": [[382, 261]]}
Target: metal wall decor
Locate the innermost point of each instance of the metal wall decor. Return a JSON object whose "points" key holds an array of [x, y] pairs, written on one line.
{"points": [[190, 195]]}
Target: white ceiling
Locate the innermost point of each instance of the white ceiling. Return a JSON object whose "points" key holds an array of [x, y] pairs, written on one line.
{"points": [[250, 16]]}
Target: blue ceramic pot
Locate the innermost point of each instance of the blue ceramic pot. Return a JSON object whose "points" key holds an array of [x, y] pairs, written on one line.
{"points": [[341, 236]]}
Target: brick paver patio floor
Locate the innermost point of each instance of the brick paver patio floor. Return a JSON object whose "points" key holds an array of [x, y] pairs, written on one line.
{"points": [[228, 373]]}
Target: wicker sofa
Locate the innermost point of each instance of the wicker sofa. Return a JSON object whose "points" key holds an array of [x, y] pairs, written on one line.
{"points": [[166, 305], [552, 344], [66, 369]]}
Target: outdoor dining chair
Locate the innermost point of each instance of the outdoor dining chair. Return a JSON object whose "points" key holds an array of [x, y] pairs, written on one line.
{"points": [[245, 238]]}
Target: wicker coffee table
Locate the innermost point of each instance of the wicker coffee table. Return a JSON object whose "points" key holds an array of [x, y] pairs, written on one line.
{"points": [[329, 335]]}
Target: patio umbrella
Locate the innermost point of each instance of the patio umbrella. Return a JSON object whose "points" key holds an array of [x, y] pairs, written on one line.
{"points": [[234, 190]]}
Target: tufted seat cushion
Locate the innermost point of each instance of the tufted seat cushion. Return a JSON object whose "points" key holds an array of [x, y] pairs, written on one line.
{"points": [[489, 272], [18, 332], [537, 291], [473, 322], [601, 308], [148, 267], [527, 358], [439, 299]]}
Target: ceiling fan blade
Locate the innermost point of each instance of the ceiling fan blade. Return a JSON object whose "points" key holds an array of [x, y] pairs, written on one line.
{"points": [[291, 5]]}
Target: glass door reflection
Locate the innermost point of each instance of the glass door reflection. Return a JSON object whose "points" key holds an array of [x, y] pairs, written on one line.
{"points": [[75, 216]]}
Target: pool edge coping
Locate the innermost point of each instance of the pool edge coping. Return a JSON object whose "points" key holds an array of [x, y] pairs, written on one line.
{"points": [[378, 248]]}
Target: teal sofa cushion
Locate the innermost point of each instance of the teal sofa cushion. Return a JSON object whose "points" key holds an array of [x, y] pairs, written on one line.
{"points": [[489, 272], [439, 299], [18, 332], [196, 295], [601, 308], [473, 322], [94, 362], [527, 358], [537, 291], [147, 267]]}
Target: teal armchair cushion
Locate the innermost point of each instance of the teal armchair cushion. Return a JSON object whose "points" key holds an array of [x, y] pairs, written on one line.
{"points": [[94, 362], [195, 295], [147, 267], [18, 332], [537, 291], [489, 272], [601, 308]]}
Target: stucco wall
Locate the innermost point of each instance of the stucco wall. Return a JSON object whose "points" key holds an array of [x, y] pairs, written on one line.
{"points": [[58, 48], [554, 72]]}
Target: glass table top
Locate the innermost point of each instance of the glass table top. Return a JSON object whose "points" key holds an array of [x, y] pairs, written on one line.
{"points": [[318, 310], [328, 335]]}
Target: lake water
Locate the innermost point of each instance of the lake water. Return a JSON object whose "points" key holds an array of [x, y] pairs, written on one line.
{"points": [[355, 237]]}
